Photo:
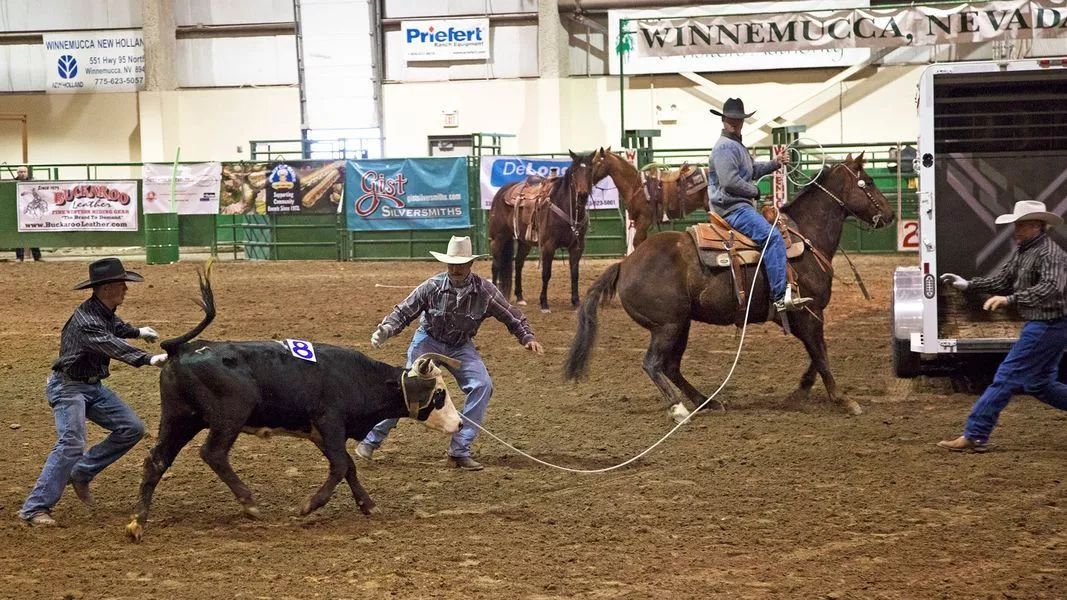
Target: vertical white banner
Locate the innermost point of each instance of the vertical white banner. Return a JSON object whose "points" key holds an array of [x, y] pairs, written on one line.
{"points": [[196, 191], [94, 61]]}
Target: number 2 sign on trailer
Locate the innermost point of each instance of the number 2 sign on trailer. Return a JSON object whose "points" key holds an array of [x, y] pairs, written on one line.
{"points": [[907, 235]]}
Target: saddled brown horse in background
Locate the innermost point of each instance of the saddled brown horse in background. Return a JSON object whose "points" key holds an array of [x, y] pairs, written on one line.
{"points": [[664, 287], [629, 182], [561, 223]]}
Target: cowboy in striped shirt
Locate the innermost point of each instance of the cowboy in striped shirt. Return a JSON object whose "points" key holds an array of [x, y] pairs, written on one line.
{"points": [[1034, 281], [90, 339], [452, 306]]}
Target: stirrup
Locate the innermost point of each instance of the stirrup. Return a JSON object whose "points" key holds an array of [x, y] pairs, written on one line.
{"points": [[789, 303]]}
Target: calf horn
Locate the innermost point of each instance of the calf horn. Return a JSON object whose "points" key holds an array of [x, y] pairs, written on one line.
{"points": [[425, 368]]}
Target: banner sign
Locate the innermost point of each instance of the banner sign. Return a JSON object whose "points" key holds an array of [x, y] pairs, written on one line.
{"points": [[296, 187], [196, 190], [445, 39], [94, 61], [841, 30], [641, 58], [406, 194], [498, 171], [77, 206]]}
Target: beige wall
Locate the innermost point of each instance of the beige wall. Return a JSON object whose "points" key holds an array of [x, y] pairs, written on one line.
{"points": [[877, 105], [72, 128], [207, 124]]}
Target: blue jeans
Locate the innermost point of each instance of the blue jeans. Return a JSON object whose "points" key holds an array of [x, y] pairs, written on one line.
{"points": [[473, 379], [1031, 367], [72, 403], [749, 222]]}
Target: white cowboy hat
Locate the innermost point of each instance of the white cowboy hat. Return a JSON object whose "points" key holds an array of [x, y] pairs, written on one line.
{"points": [[1029, 210], [459, 252]]}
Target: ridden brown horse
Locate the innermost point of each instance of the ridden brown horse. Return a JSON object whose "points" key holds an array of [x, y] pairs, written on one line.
{"points": [[664, 287], [632, 193], [561, 223]]}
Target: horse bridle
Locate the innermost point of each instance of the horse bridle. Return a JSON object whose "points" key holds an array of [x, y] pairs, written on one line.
{"points": [[572, 219], [876, 219]]}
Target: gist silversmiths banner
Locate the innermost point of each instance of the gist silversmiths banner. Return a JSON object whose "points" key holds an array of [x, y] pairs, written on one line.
{"points": [[77, 206]]}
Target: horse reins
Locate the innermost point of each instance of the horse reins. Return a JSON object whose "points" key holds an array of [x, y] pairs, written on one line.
{"points": [[876, 219]]}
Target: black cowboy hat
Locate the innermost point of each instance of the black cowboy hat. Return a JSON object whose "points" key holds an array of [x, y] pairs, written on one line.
{"points": [[734, 108], [107, 270]]}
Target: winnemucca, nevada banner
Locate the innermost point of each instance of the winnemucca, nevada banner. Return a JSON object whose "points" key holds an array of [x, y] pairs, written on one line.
{"points": [[948, 23]]}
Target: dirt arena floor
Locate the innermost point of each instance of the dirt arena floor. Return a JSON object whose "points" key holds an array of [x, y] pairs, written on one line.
{"points": [[770, 499]]}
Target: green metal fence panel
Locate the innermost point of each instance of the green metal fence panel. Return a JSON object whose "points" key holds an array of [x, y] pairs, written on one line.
{"points": [[400, 245], [291, 237]]}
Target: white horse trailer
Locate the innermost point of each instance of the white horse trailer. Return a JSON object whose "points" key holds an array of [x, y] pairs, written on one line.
{"points": [[991, 133]]}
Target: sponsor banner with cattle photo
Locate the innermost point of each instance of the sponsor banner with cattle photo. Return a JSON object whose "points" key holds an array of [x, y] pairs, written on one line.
{"points": [[77, 206], [295, 187], [196, 188], [406, 194], [498, 171]]}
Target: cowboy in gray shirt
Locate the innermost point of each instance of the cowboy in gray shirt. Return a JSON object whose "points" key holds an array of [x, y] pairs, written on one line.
{"points": [[732, 194], [452, 306]]}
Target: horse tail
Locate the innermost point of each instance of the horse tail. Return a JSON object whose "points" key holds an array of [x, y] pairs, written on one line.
{"points": [[603, 289], [505, 263], [207, 302]]}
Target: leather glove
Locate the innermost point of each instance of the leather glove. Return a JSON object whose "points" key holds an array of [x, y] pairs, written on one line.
{"points": [[955, 281], [158, 360], [148, 334], [377, 339]]}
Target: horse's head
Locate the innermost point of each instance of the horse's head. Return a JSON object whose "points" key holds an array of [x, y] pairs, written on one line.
{"points": [[601, 167], [860, 197], [580, 174]]}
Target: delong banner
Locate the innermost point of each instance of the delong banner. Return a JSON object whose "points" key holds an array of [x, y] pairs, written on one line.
{"points": [[407, 193], [77, 206], [498, 171], [292, 187], [94, 61], [196, 188]]}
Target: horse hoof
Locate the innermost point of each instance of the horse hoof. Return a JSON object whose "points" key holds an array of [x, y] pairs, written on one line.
{"points": [[678, 412], [134, 531], [546, 310], [853, 408], [252, 512], [369, 508], [520, 303]]}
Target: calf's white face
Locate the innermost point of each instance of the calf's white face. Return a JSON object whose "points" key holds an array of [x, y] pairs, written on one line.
{"points": [[444, 418], [437, 412]]}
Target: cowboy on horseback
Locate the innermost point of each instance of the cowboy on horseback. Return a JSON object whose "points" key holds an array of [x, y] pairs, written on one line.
{"points": [[733, 195]]}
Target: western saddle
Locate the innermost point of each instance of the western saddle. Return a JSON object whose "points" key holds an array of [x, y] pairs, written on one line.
{"points": [[527, 199], [666, 189], [720, 246]]}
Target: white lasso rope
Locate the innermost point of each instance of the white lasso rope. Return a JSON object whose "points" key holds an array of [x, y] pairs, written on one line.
{"points": [[796, 170], [737, 356]]}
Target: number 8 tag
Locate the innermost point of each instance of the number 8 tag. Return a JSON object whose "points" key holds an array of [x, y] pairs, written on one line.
{"points": [[301, 349]]}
